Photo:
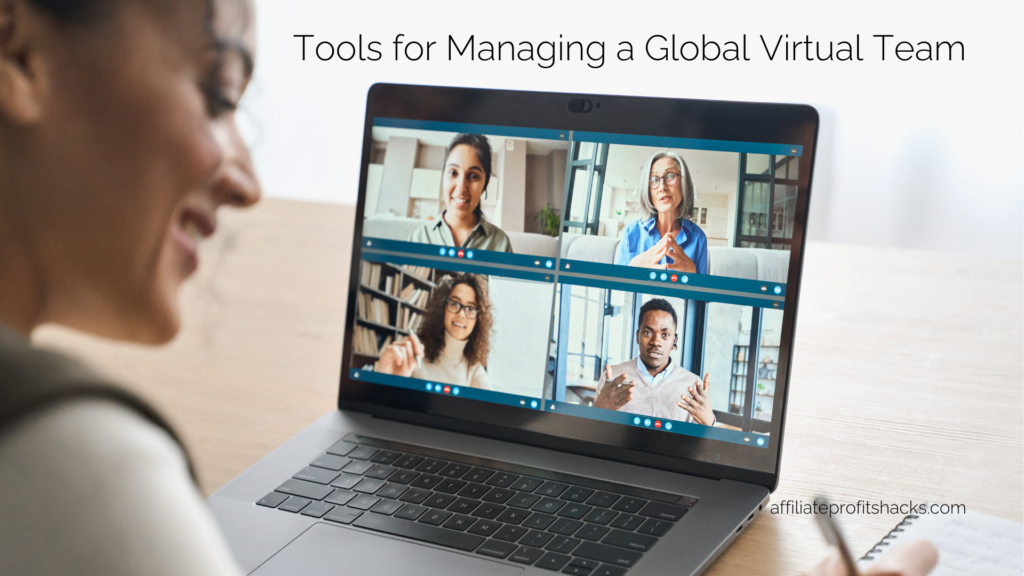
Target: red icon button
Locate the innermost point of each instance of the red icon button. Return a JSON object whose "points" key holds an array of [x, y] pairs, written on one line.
{"points": [[657, 423], [447, 389], [461, 253], [675, 278]]}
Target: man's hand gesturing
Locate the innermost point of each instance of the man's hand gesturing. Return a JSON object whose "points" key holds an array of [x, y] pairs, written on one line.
{"points": [[616, 392], [698, 403]]}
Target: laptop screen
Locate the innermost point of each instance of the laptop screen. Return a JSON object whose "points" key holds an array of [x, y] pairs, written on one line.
{"points": [[627, 279]]}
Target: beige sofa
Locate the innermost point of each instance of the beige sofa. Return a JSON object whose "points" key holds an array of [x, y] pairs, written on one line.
{"points": [[749, 263]]}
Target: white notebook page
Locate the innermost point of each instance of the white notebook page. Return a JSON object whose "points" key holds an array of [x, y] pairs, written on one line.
{"points": [[969, 545]]}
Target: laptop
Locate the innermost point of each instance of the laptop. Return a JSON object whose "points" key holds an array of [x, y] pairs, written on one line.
{"points": [[569, 336]]}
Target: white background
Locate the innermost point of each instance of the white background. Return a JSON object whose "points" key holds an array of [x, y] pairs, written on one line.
{"points": [[915, 154]]}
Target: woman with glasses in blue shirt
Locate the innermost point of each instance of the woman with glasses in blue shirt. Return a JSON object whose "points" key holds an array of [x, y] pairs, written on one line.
{"points": [[666, 238]]}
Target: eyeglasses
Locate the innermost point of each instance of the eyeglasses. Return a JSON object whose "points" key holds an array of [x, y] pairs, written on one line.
{"points": [[455, 307], [669, 178]]}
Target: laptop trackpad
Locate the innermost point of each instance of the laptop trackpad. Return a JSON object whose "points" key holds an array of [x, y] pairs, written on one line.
{"points": [[325, 550]]}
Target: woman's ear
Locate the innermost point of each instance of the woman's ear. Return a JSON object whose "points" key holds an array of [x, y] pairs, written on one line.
{"points": [[21, 83]]}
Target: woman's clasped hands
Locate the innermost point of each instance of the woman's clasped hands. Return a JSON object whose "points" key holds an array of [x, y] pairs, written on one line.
{"points": [[668, 249]]}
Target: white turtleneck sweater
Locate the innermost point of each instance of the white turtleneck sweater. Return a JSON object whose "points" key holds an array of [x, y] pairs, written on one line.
{"points": [[451, 367]]}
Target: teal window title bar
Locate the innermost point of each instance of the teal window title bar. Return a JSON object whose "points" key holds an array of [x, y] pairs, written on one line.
{"points": [[690, 143], [600, 137], [460, 127]]}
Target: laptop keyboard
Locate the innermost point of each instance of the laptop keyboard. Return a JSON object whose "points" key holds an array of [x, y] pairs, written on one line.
{"points": [[531, 516]]}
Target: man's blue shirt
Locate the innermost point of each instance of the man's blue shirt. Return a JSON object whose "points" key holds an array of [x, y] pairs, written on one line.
{"points": [[641, 235]]}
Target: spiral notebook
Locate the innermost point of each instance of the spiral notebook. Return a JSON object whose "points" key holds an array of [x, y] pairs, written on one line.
{"points": [[970, 544]]}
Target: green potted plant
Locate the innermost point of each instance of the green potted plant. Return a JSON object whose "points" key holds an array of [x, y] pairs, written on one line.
{"points": [[549, 220]]}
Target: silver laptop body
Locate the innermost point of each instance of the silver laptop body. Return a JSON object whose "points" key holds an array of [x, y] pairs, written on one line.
{"points": [[528, 476]]}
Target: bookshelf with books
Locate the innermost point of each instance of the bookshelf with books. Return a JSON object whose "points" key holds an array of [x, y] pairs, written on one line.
{"points": [[389, 306]]}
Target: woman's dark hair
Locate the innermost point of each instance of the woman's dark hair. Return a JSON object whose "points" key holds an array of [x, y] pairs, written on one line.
{"points": [[431, 332], [70, 11], [482, 146], [84, 11]]}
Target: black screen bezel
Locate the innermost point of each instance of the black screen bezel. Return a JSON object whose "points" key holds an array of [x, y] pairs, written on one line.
{"points": [[701, 119]]}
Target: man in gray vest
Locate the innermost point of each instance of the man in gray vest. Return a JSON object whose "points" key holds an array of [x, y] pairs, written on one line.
{"points": [[650, 384]]}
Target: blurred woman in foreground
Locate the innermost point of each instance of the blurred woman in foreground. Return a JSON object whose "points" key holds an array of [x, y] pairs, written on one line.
{"points": [[118, 144]]}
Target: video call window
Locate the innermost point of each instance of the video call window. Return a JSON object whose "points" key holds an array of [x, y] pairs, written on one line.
{"points": [[722, 208], [469, 329], [604, 332], [600, 329], [475, 191]]}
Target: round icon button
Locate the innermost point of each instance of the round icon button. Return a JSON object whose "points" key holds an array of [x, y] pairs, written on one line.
{"points": [[549, 264], [636, 420], [447, 389], [760, 441], [654, 275], [647, 422], [664, 276], [685, 279], [455, 391], [668, 425], [443, 251], [657, 423], [533, 404], [674, 278], [462, 254], [778, 289], [430, 387], [451, 251], [469, 254]]}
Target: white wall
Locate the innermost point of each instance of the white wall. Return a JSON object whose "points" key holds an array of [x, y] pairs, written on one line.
{"points": [[518, 357], [924, 154]]}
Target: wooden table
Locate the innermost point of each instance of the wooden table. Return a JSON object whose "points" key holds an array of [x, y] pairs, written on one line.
{"points": [[906, 384]]}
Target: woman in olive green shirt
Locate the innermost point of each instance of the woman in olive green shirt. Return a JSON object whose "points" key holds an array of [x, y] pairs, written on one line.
{"points": [[467, 171]]}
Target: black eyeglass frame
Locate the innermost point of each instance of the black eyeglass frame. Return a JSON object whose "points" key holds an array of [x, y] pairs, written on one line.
{"points": [[459, 307]]}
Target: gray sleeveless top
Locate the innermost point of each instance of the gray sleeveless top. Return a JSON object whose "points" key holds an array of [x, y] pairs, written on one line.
{"points": [[32, 380]]}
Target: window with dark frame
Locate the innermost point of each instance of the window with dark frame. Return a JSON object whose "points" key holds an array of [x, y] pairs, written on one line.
{"points": [[584, 182], [766, 201]]}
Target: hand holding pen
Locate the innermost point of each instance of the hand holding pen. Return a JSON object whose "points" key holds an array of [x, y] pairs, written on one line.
{"points": [[916, 558], [401, 358]]}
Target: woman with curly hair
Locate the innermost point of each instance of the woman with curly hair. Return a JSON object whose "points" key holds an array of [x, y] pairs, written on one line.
{"points": [[454, 340]]}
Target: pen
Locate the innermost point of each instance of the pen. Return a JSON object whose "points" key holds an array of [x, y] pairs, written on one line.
{"points": [[830, 528]]}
